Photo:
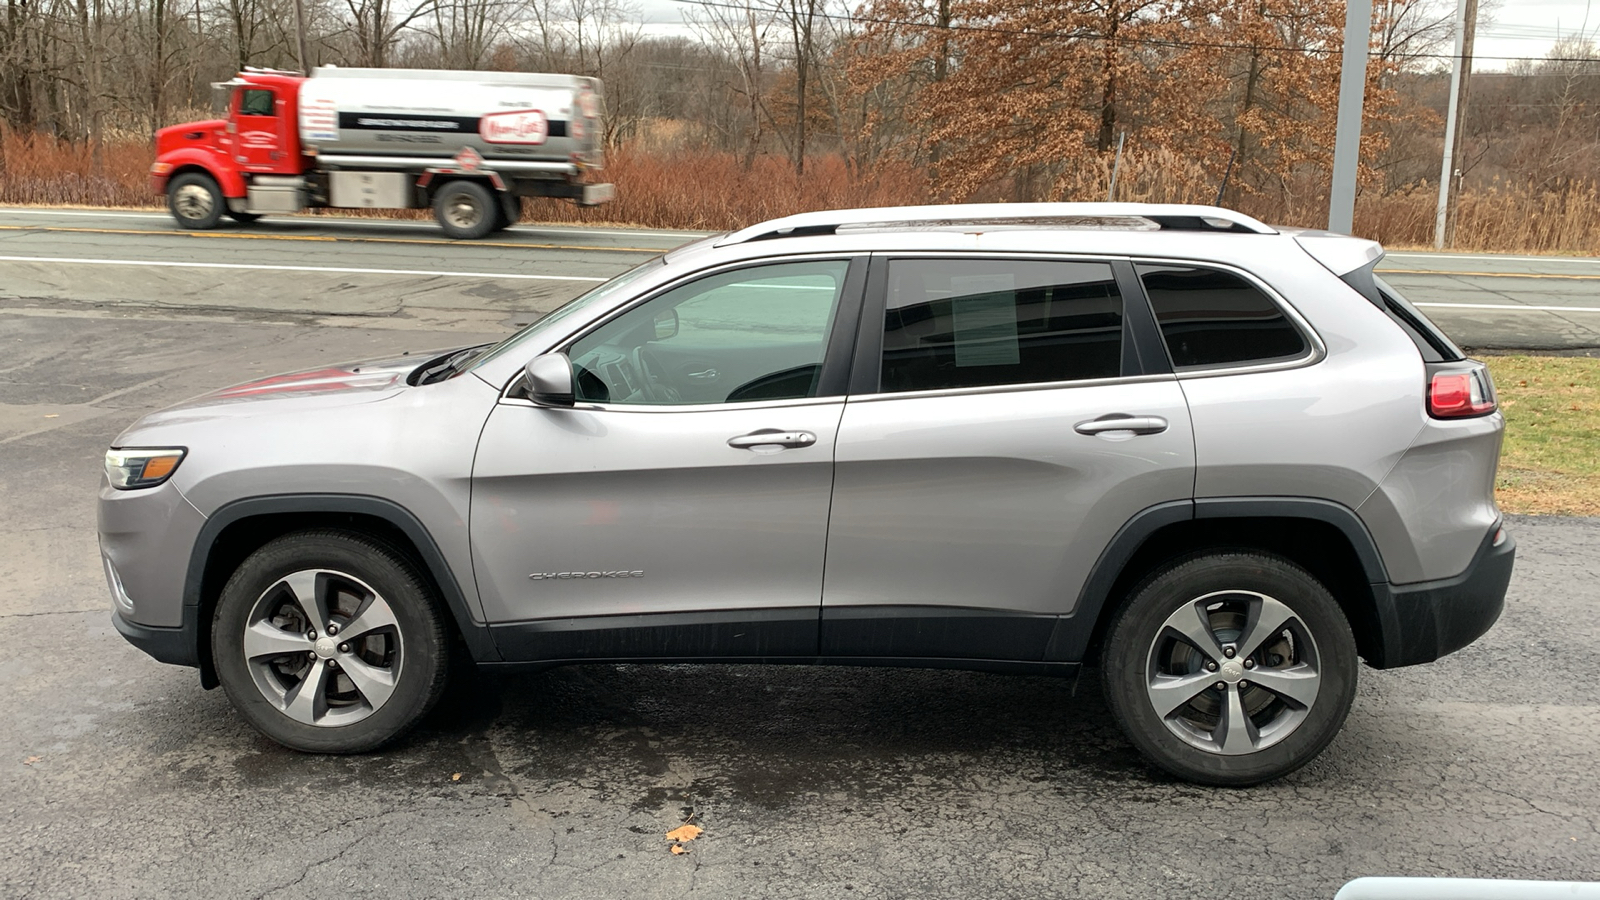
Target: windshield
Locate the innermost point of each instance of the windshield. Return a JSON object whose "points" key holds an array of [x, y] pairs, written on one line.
{"points": [[603, 292]]}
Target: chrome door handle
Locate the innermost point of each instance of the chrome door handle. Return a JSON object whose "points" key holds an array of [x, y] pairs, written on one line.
{"points": [[1122, 422], [771, 437], [707, 375]]}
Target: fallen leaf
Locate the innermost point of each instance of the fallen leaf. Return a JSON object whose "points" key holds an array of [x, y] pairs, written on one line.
{"points": [[31, 760], [456, 777], [678, 850], [685, 832]]}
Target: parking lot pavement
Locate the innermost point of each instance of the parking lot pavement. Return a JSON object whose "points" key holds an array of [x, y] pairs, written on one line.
{"points": [[124, 779]]}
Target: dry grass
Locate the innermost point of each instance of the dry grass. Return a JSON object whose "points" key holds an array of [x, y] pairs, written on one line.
{"points": [[706, 190], [1551, 460]]}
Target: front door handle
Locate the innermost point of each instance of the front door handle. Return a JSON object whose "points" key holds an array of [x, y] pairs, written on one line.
{"points": [[772, 438], [1122, 422]]}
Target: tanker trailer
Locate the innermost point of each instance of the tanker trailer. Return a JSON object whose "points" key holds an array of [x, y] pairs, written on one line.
{"points": [[467, 144]]}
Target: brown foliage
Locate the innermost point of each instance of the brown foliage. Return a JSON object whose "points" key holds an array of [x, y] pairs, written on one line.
{"points": [[711, 190]]}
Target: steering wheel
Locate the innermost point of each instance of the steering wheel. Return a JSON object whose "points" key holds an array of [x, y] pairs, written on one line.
{"points": [[656, 388]]}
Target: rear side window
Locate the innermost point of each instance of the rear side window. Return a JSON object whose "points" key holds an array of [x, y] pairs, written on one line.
{"points": [[1210, 317], [958, 323]]}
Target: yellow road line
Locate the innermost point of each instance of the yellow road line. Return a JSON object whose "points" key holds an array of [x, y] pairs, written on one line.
{"points": [[326, 238], [1489, 274]]}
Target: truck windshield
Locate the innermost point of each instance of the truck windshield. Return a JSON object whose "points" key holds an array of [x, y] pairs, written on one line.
{"points": [[600, 294]]}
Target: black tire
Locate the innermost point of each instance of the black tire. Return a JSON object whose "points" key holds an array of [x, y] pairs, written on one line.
{"points": [[510, 210], [1145, 661], [466, 210], [243, 218], [412, 650], [195, 201]]}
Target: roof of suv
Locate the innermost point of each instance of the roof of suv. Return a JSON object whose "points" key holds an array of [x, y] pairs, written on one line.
{"points": [[1030, 216]]}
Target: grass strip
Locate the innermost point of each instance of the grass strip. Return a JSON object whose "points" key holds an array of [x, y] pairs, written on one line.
{"points": [[1550, 464]]}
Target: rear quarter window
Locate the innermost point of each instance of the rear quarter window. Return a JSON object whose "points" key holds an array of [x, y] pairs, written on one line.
{"points": [[1212, 317]]}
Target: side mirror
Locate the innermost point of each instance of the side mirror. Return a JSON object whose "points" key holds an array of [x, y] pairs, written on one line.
{"points": [[550, 379], [666, 323]]}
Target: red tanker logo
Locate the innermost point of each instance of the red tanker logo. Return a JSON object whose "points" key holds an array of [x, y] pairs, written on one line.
{"points": [[526, 126]]}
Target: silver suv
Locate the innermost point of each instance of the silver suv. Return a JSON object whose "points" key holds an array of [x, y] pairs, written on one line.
{"points": [[1219, 461]]}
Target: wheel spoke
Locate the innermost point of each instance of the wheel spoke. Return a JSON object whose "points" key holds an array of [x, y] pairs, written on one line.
{"points": [[307, 701], [1236, 734], [1267, 618], [375, 684], [308, 588], [264, 639], [1169, 692], [375, 615], [1191, 622], [1297, 684]]}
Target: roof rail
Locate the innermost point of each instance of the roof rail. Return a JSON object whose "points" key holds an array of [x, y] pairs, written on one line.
{"points": [[259, 70], [1101, 216]]}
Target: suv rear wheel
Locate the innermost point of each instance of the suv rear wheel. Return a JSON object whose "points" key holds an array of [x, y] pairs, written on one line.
{"points": [[329, 642], [1230, 668]]}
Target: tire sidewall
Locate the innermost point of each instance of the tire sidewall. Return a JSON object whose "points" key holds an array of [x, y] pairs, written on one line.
{"points": [[488, 205], [1127, 652], [218, 202], [424, 660]]}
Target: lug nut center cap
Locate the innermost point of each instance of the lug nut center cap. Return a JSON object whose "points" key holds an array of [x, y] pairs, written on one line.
{"points": [[327, 648], [1232, 671]]}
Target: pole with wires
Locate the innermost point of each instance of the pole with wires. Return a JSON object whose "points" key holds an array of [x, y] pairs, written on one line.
{"points": [[1447, 170]]}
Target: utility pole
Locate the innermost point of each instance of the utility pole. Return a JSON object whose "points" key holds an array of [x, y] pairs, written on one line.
{"points": [[1458, 151], [300, 36], [1352, 97], [1448, 168]]}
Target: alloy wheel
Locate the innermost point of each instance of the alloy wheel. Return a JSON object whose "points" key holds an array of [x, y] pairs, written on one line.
{"points": [[1233, 672]]}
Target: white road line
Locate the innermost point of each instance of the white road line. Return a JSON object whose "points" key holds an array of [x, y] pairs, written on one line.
{"points": [[1447, 256], [87, 214], [344, 220], [339, 270], [1515, 307]]}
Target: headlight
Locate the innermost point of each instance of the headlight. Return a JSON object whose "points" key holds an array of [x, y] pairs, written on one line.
{"points": [[144, 467]]}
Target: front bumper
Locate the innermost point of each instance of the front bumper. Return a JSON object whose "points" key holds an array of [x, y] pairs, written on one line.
{"points": [[1430, 619], [168, 645]]}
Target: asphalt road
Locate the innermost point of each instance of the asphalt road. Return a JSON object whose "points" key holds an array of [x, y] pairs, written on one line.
{"points": [[392, 274], [124, 780]]}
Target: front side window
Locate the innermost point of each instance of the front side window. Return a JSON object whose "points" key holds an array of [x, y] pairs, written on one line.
{"points": [[256, 103], [1210, 317], [749, 335], [959, 323]]}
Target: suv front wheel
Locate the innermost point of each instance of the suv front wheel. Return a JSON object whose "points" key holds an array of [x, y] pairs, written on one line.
{"points": [[1230, 668], [329, 642]]}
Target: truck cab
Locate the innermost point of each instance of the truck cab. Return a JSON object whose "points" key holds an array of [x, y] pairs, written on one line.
{"points": [[468, 144]]}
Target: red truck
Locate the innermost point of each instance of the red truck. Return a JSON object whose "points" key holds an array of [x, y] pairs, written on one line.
{"points": [[467, 144]]}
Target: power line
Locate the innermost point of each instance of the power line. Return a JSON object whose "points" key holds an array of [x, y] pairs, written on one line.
{"points": [[1099, 38]]}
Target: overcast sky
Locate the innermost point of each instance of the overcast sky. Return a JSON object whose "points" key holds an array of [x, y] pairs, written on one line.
{"points": [[1518, 27]]}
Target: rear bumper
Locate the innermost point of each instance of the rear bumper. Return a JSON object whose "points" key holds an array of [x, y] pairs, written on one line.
{"points": [[1431, 619]]}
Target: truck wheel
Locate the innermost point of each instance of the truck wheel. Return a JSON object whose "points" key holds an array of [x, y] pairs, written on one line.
{"points": [[330, 642], [510, 210], [195, 200], [243, 218], [1230, 668], [466, 210]]}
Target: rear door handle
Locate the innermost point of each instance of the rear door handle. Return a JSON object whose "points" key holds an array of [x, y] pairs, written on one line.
{"points": [[1122, 422], [771, 437]]}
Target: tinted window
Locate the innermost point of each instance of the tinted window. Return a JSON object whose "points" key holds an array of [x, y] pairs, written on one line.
{"points": [[954, 323], [735, 337], [1214, 318]]}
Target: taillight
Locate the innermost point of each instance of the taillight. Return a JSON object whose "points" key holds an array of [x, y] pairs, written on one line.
{"points": [[1457, 393]]}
